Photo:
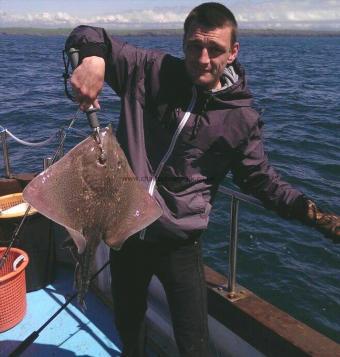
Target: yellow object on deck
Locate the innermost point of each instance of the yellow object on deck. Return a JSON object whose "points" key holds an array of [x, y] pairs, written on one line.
{"points": [[14, 206]]}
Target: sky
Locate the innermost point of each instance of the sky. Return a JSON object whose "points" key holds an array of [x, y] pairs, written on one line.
{"points": [[256, 14]]}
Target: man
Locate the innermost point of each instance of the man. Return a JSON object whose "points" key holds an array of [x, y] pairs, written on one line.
{"points": [[184, 125]]}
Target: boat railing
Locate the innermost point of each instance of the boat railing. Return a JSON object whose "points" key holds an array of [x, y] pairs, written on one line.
{"points": [[5, 134], [236, 197]]}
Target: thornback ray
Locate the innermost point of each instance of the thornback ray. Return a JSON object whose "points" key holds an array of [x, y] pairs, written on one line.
{"points": [[93, 201]]}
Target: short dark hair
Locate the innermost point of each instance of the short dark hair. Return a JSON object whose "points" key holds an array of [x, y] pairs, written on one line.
{"points": [[212, 15]]}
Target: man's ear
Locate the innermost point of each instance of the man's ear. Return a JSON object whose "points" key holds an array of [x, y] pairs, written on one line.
{"points": [[233, 53]]}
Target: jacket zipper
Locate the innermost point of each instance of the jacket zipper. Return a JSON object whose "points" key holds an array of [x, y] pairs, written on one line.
{"points": [[171, 148]]}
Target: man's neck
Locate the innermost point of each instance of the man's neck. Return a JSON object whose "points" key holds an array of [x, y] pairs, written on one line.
{"points": [[218, 86]]}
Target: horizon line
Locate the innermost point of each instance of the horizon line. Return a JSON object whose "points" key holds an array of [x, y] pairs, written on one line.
{"points": [[11, 29]]}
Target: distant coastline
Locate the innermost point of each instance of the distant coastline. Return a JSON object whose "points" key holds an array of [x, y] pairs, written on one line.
{"points": [[163, 32]]}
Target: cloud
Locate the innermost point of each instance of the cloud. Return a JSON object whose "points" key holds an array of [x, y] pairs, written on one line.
{"points": [[288, 14], [285, 14], [64, 19]]}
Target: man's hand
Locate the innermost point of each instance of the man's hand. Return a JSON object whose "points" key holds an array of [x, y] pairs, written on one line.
{"points": [[87, 81], [327, 223]]}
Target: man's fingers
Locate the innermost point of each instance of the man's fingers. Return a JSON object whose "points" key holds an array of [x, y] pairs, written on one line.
{"points": [[84, 106], [87, 80], [85, 102], [336, 234], [96, 104], [84, 95], [329, 224]]}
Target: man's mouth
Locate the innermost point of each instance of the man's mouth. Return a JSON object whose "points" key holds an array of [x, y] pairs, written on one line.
{"points": [[203, 71]]}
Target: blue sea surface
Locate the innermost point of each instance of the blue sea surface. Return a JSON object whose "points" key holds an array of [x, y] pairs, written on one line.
{"points": [[295, 80]]}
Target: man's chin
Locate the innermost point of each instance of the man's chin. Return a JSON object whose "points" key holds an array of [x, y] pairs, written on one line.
{"points": [[202, 79], [206, 83]]}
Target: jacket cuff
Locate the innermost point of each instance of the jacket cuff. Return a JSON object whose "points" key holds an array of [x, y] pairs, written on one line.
{"points": [[300, 208], [92, 49]]}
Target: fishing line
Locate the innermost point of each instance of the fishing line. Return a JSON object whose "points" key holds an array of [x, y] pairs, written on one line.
{"points": [[14, 237], [63, 136], [35, 334]]}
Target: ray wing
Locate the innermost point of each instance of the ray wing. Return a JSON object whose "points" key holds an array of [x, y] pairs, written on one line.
{"points": [[81, 194]]}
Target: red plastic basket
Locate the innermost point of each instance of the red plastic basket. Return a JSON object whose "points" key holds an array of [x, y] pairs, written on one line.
{"points": [[12, 288]]}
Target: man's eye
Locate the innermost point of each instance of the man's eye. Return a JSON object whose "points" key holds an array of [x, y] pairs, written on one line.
{"points": [[194, 47], [215, 51]]}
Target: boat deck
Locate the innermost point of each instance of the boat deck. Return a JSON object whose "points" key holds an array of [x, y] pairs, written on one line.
{"points": [[72, 332]]}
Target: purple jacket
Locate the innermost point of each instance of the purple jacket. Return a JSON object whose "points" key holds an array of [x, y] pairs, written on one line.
{"points": [[180, 140]]}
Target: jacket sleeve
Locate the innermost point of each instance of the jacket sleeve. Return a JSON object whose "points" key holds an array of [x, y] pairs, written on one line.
{"points": [[253, 174], [123, 62]]}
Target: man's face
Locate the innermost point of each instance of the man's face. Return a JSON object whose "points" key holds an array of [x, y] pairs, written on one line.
{"points": [[207, 52]]}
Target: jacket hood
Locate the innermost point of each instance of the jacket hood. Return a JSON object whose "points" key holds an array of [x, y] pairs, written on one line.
{"points": [[234, 92]]}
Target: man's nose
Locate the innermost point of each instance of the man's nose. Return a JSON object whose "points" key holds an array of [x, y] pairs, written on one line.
{"points": [[204, 56]]}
